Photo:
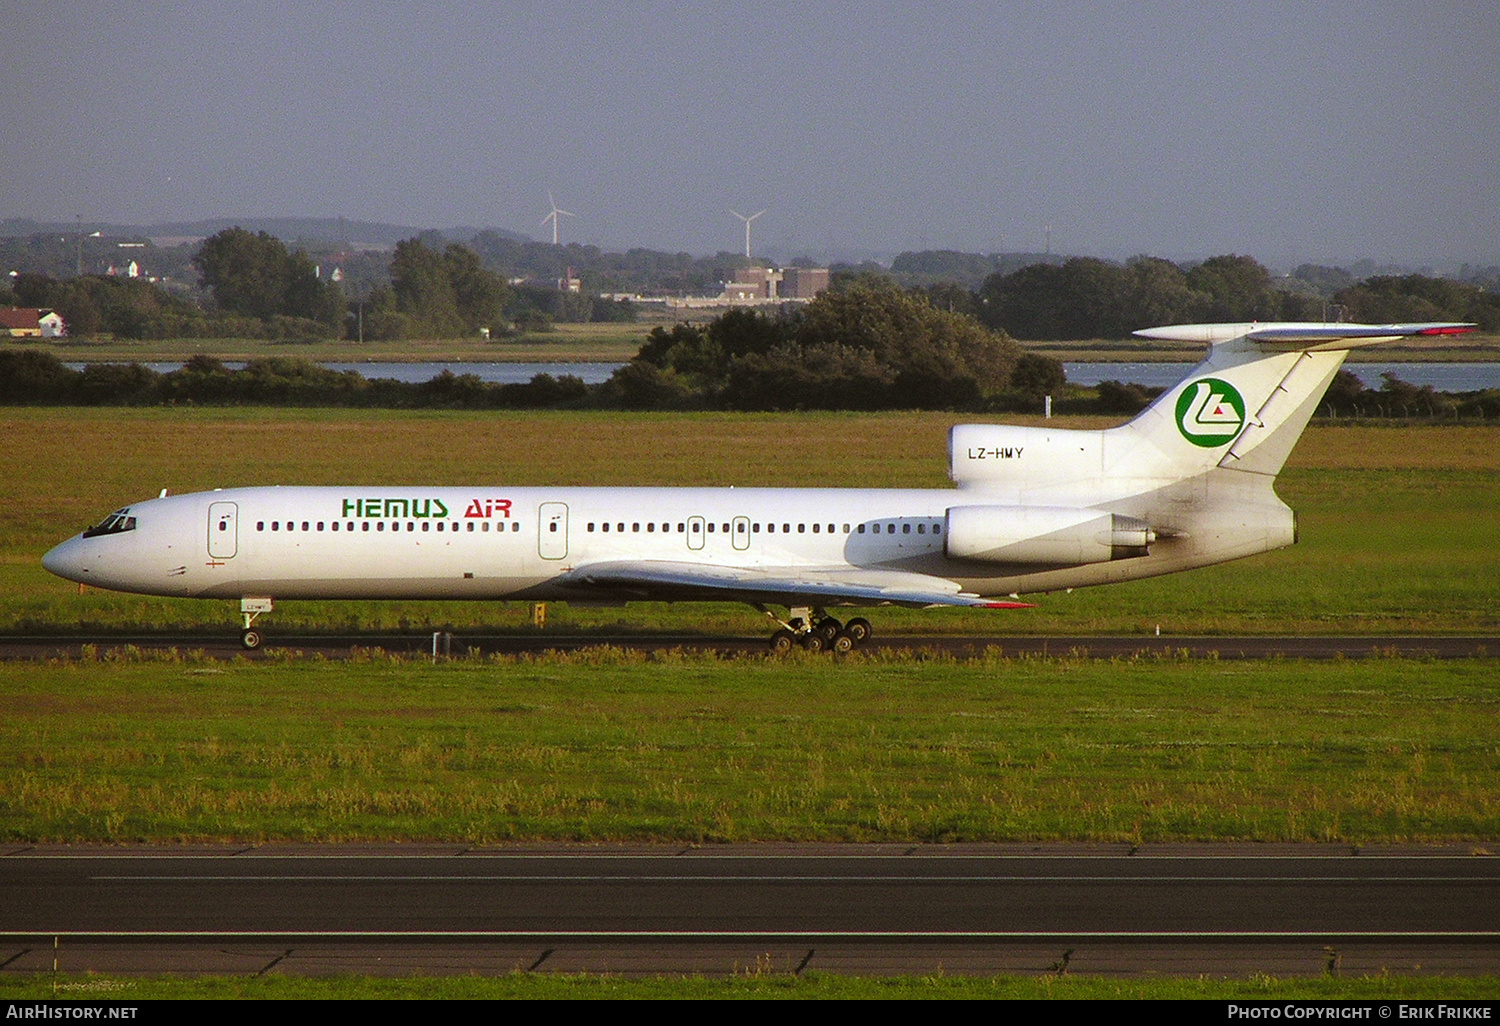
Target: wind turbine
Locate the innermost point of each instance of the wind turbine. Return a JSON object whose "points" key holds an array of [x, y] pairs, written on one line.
{"points": [[553, 216], [747, 221]]}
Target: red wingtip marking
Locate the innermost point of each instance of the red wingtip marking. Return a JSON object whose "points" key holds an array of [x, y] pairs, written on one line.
{"points": [[1445, 331], [1009, 605]]}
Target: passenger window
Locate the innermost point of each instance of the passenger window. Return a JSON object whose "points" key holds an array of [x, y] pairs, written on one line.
{"points": [[815, 528], [710, 528], [635, 528], [334, 525], [860, 529], [606, 528], [320, 525], [755, 529], [260, 525], [801, 528], [276, 525], [650, 528], [516, 526], [380, 525], [846, 528], [304, 525], [485, 526], [921, 528], [471, 527], [937, 528], [906, 529], [770, 528], [365, 526]]}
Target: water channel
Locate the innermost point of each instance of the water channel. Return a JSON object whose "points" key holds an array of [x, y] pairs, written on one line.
{"points": [[1444, 377]]}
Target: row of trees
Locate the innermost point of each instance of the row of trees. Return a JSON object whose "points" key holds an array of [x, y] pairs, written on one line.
{"points": [[862, 346], [1085, 298], [255, 275], [33, 377], [133, 308], [260, 288]]}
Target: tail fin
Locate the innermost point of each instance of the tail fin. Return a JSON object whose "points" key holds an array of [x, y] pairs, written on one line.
{"points": [[1242, 408]]}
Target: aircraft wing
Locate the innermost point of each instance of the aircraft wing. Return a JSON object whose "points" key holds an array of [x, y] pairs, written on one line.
{"points": [[790, 586]]}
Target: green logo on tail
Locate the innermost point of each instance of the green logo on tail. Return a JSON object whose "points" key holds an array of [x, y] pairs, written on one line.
{"points": [[1210, 412]]}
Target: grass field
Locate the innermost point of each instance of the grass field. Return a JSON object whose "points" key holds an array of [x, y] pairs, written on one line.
{"points": [[612, 746], [1398, 524], [566, 343]]}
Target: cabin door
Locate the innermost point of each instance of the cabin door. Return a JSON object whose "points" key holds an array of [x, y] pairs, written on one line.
{"points": [[223, 530], [552, 528]]}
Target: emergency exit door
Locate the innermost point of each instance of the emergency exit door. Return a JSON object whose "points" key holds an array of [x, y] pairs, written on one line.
{"points": [[552, 528], [223, 529]]}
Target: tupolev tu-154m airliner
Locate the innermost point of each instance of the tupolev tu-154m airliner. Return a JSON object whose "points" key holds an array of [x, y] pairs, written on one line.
{"points": [[1187, 483]]}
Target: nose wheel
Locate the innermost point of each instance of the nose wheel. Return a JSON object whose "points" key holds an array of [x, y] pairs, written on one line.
{"points": [[250, 608]]}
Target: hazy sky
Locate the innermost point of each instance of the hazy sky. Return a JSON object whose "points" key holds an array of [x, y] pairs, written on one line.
{"points": [[1292, 131]]}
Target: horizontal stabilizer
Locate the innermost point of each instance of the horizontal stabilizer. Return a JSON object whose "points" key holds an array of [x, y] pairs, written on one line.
{"points": [[1320, 336], [1302, 336]]}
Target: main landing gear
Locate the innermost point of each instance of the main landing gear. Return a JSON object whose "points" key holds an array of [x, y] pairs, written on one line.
{"points": [[816, 631]]}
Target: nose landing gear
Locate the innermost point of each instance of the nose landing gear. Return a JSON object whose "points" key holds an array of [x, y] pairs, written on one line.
{"points": [[251, 608], [816, 631]]}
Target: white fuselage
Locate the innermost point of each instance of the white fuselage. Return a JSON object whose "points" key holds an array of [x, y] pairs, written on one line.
{"points": [[525, 543]]}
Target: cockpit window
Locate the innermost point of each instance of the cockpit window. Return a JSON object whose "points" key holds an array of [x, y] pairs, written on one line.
{"points": [[116, 523]]}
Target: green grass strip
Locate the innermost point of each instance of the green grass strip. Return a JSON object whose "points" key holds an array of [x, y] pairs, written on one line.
{"points": [[616, 746]]}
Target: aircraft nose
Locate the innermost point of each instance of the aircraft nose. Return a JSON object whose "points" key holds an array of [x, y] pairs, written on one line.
{"points": [[66, 560]]}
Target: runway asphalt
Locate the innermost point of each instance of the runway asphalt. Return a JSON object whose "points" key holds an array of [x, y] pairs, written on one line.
{"points": [[1282, 910], [226, 646]]}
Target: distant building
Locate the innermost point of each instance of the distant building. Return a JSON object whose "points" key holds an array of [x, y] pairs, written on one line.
{"points": [[751, 284], [21, 322], [803, 282], [24, 322], [761, 286], [570, 283]]}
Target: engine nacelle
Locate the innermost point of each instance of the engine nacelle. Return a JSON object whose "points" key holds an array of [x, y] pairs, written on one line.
{"points": [[1052, 535]]}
